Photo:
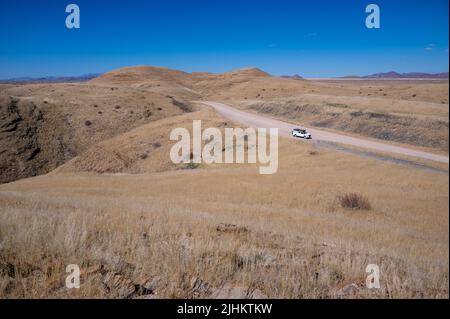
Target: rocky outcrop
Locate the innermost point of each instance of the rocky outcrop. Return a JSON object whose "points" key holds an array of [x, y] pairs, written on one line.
{"points": [[19, 124], [33, 141]]}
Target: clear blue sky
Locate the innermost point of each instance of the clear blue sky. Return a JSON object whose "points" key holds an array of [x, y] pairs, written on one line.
{"points": [[312, 38]]}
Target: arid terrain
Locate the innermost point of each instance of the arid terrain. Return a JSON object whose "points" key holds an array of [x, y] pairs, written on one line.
{"points": [[87, 179]]}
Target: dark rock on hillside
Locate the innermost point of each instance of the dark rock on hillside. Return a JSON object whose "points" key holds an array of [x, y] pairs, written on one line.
{"points": [[28, 145]]}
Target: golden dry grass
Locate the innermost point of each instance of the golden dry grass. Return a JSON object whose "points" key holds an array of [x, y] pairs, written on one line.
{"points": [[293, 239], [122, 204]]}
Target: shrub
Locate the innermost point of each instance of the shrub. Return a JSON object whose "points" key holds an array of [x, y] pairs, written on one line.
{"points": [[191, 165], [186, 108], [147, 113], [354, 201], [88, 123]]}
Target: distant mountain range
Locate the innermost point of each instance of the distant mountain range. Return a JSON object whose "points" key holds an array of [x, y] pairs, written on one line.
{"points": [[294, 77], [90, 76], [396, 75], [52, 79]]}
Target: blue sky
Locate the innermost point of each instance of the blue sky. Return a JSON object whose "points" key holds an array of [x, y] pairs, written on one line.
{"points": [[319, 38]]}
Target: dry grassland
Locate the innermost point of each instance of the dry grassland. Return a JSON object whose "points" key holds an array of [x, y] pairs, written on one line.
{"points": [[140, 226], [421, 124], [284, 235]]}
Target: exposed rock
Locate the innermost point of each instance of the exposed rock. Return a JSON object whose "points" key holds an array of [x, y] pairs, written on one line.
{"points": [[115, 284], [32, 144], [123, 287], [348, 291], [18, 137], [118, 284], [198, 287], [147, 297], [229, 291], [150, 285]]}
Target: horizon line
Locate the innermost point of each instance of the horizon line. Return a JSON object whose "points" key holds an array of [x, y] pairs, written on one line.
{"points": [[24, 78]]}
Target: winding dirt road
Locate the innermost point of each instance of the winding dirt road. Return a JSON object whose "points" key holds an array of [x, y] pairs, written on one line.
{"points": [[285, 129]]}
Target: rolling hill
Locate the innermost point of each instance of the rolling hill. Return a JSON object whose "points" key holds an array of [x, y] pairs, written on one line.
{"points": [[44, 126]]}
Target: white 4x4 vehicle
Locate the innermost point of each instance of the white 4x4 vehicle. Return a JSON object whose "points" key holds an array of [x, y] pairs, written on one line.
{"points": [[301, 133]]}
